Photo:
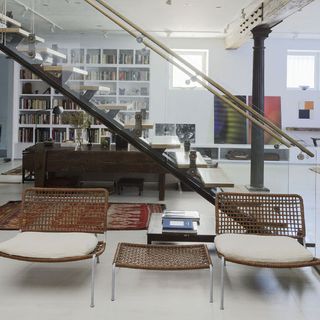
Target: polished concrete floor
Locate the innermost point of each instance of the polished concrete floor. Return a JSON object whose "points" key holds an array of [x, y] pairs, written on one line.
{"points": [[62, 291]]}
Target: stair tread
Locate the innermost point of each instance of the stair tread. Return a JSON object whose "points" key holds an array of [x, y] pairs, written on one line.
{"points": [[236, 188], [165, 142], [112, 106], [65, 68], [52, 52], [214, 177], [183, 160], [20, 31], [94, 88], [146, 124], [8, 19], [15, 30]]}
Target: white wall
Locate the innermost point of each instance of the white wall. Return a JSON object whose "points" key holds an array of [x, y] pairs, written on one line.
{"points": [[6, 102], [233, 70], [230, 68]]}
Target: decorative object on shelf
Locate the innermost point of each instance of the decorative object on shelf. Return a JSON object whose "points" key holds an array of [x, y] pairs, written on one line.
{"points": [[105, 143], [186, 132], [81, 122], [27, 88], [304, 87], [57, 110], [186, 145]]}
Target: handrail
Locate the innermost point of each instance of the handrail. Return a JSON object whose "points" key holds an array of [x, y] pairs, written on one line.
{"points": [[169, 59], [236, 100]]}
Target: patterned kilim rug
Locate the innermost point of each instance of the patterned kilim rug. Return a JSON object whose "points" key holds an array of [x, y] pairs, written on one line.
{"points": [[13, 172], [121, 216]]}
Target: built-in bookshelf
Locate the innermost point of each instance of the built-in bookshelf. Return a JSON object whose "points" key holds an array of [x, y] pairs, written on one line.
{"points": [[125, 71]]}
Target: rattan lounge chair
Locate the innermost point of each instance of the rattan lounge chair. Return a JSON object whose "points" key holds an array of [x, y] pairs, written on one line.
{"points": [[60, 225], [261, 230]]}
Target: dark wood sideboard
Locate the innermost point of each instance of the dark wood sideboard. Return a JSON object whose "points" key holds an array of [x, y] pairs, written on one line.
{"points": [[63, 166]]}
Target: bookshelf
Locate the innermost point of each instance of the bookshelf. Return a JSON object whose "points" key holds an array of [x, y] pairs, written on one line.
{"points": [[125, 71]]}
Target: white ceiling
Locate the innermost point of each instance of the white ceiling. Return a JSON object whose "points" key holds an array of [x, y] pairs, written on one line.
{"points": [[183, 18]]}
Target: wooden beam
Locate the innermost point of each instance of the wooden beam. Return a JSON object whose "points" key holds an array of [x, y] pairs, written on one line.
{"points": [[267, 13]]}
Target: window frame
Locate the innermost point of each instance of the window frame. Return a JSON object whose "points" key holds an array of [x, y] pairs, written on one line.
{"points": [[205, 64], [316, 55]]}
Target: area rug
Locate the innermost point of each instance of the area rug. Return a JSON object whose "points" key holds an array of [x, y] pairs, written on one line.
{"points": [[121, 216], [13, 172]]}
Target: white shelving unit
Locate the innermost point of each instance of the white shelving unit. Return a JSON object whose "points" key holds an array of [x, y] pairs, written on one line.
{"points": [[237, 153], [125, 71]]}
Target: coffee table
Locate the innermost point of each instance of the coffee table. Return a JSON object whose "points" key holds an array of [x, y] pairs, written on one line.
{"points": [[205, 232]]}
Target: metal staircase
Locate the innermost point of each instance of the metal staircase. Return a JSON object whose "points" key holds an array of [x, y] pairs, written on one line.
{"points": [[15, 40]]}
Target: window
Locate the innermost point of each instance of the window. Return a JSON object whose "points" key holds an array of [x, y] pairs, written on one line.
{"points": [[198, 58], [302, 69]]}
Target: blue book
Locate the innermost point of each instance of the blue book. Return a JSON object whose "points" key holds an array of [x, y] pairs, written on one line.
{"points": [[177, 224]]}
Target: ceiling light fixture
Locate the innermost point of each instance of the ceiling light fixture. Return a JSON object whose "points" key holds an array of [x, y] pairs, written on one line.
{"points": [[169, 2]]}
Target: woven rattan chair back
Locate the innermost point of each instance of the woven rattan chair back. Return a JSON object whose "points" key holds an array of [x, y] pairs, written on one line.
{"points": [[256, 213], [64, 210]]}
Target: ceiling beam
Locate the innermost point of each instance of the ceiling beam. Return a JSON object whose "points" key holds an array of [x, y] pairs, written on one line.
{"points": [[266, 13]]}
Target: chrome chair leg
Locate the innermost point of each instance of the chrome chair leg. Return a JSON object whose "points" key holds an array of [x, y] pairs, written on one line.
{"points": [[93, 265], [211, 284], [222, 284], [113, 285]]}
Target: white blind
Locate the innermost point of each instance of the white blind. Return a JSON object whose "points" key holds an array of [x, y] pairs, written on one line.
{"points": [[300, 71]]}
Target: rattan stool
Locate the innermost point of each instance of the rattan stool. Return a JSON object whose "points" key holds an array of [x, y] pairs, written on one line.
{"points": [[161, 257]]}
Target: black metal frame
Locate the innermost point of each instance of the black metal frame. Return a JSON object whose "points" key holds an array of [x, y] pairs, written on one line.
{"points": [[112, 124]]}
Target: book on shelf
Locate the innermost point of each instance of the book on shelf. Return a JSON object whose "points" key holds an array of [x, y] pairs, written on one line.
{"points": [[181, 214], [179, 225]]}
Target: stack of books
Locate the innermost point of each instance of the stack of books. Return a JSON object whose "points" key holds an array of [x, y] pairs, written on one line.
{"points": [[180, 221]]}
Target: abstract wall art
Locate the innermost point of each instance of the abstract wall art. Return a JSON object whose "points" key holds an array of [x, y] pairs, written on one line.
{"points": [[229, 126]]}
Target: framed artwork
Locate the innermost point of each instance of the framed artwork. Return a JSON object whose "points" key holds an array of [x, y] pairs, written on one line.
{"points": [[272, 111], [229, 126], [186, 132]]}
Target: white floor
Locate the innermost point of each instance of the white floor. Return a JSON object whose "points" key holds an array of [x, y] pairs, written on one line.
{"points": [[62, 291]]}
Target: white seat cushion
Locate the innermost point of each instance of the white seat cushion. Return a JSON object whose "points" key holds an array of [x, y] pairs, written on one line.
{"points": [[264, 249], [50, 244]]}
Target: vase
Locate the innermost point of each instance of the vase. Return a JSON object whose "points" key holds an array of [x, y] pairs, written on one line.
{"points": [[78, 138]]}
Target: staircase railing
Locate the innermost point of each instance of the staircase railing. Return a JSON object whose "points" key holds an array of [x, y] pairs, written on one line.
{"points": [[197, 75]]}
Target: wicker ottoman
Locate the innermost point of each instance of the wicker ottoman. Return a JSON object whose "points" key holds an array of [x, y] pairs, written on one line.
{"points": [[161, 257]]}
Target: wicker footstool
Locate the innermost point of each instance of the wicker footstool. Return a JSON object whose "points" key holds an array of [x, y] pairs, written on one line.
{"points": [[161, 257]]}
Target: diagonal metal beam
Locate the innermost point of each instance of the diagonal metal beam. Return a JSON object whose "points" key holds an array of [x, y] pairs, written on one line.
{"points": [[108, 121]]}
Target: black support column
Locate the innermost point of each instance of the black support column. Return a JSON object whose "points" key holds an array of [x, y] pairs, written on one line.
{"points": [[257, 134]]}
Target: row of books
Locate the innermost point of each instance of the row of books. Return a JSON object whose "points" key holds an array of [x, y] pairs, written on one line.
{"points": [[25, 135], [37, 104], [42, 135], [26, 74], [66, 104], [102, 75], [32, 118], [180, 221], [134, 75]]}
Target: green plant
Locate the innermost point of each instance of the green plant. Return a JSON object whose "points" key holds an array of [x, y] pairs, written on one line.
{"points": [[77, 119]]}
